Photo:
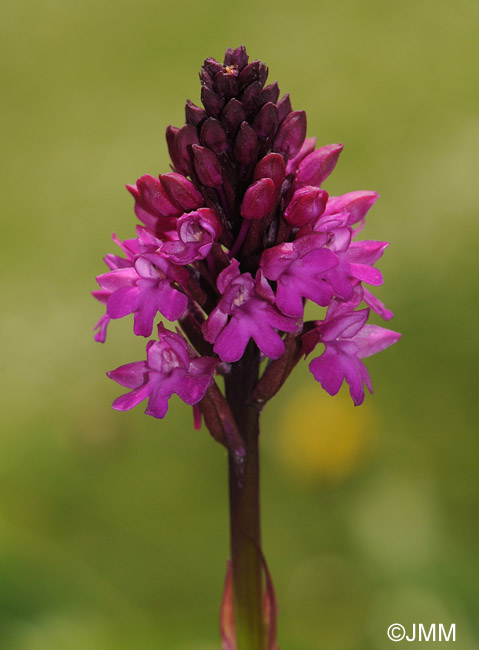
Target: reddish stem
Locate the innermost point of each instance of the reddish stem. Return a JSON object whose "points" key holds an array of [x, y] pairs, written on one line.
{"points": [[245, 507]]}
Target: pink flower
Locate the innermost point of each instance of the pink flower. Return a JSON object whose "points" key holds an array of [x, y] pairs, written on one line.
{"points": [[197, 231], [245, 311], [299, 269], [145, 289], [347, 340], [170, 367]]}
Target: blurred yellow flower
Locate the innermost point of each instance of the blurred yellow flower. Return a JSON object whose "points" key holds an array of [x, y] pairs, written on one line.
{"points": [[324, 438]]}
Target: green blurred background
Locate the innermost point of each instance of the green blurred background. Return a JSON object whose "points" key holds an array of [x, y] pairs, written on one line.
{"points": [[113, 526]]}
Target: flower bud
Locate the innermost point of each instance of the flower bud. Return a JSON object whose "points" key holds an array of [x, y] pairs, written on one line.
{"points": [[212, 66], [271, 166], [232, 115], [255, 71], [194, 114], [185, 137], [182, 191], [270, 93], [284, 107], [316, 167], [178, 161], [205, 78], [212, 102], [245, 144], [307, 204], [212, 135], [266, 121], [291, 134], [207, 166], [259, 199], [152, 196], [250, 97], [237, 57], [226, 84]]}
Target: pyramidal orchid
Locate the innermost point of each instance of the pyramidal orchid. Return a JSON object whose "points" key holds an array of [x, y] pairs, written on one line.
{"points": [[231, 244]]}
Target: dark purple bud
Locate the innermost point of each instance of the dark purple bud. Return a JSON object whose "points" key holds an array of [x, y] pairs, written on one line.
{"points": [[266, 121], [194, 114], [307, 204], [205, 78], [233, 114], [154, 198], [212, 66], [262, 73], [225, 83], [178, 162], [259, 199], [270, 93], [251, 96], [255, 71], [207, 166], [291, 134], [284, 107], [248, 74], [212, 102], [317, 166], [271, 166], [245, 144], [186, 136], [171, 132], [182, 191], [237, 57], [213, 136]]}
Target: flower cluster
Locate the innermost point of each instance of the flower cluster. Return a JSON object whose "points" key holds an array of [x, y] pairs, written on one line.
{"points": [[233, 242]]}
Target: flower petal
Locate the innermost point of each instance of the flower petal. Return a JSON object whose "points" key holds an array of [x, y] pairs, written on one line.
{"points": [[372, 339], [129, 400]]}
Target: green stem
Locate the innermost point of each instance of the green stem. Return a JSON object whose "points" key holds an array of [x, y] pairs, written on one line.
{"points": [[245, 507]]}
